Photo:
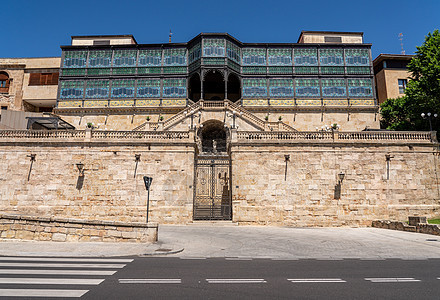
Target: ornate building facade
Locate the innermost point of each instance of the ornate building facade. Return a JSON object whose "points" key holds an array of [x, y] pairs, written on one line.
{"points": [[247, 132]]}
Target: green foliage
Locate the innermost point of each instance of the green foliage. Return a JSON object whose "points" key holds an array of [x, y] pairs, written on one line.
{"points": [[422, 93], [434, 221]]}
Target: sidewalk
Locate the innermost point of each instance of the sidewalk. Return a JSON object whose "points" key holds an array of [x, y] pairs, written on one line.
{"points": [[195, 241]]}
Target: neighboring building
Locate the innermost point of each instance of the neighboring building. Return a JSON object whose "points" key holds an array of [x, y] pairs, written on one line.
{"points": [[28, 85], [391, 75]]}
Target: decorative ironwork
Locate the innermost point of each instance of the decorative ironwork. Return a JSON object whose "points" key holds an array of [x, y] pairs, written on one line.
{"points": [[281, 87], [75, 59], [174, 57], [150, 58], [360, 88], [280, 57], [255, 87], [233, 51], [334, 88], [213, 47], [149, 88], [122, 89], [331, 57], [253, 57], [306, 57], [100, 59], [124, 58], [307, 88], [97, 89], [212, 193], [174, 88], [72, 89], [357, 57]]}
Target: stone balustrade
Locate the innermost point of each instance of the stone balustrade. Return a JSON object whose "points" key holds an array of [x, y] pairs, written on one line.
{"points": [[92, 135], [363, 136]]}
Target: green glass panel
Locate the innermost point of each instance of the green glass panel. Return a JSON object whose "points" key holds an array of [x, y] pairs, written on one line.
{"points": [[100, 71], [280, 70], [124, 71], [213, 61], [254, 70], [74, 72], [332, 70], [174, 70], [358, 70], [152, 70], [306, 70]]}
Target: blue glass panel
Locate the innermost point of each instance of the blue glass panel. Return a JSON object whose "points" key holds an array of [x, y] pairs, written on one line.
{"points": [[194, 53], [97, 89], [213, 47], [233, 51], [75, 59], [357, 57], [331, 57], [333, 88], [281, 87], [360, 88], [174, 88], [307, 88], [123, 89], [254, 57], [254, 87], [151, 57], [280, 57], [306, 57], [174, 57], [124, 58], [149, 88], [72, 89], [100, 58]]}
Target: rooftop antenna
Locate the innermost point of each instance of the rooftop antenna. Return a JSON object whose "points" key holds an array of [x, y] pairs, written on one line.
{"points": [[401, 43], [169, 40]]}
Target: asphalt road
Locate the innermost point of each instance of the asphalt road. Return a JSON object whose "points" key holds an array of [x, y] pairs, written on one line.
{"points": [[217, 278]]}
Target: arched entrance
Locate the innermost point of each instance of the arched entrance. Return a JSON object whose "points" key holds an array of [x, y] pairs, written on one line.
{"points": [[194, 88], [212, 180], [214, 85], [234, 90]]}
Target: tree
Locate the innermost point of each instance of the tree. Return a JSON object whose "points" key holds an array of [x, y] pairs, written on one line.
{"points": [[422, 94]]}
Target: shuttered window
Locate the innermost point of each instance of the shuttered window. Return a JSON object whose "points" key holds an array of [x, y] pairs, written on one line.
{"points": [[43, 79]]}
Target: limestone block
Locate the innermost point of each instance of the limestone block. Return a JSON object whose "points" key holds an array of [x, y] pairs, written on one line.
{"points": [[59, 237]]}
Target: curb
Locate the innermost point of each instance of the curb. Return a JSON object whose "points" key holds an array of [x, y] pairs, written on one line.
{"points": [[162, 252]]}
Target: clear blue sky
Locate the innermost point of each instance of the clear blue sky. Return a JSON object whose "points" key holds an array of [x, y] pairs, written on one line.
{"points": [[32, 28]]}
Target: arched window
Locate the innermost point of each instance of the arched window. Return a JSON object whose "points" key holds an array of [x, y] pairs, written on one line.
{"points": [[4, 82]]}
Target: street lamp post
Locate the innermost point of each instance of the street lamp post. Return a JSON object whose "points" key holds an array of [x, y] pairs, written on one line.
{"points": [[428, 116], [147, 181]]}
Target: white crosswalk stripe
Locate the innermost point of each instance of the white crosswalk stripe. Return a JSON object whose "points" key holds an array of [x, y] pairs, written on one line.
{"points": [[56, 265], [316, 280], [42, 293], [236, 280], [150, 280], [34, 267], [392, 279]]}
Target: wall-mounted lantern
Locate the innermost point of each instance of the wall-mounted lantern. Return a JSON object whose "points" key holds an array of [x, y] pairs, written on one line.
{"points": [[32, 158], [286, 159], [341, 177], [137, 158], [80, 167]]}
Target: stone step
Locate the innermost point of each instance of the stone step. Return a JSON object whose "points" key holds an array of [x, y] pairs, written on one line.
{"points": [[213, 223]]}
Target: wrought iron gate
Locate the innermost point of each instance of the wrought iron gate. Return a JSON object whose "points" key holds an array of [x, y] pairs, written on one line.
{"points": [[212, 192]]}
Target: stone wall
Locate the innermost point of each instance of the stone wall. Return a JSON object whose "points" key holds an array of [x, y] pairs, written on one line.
{"points": [[109, 189], [402, 226], [72, 230], [309, 193]]}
